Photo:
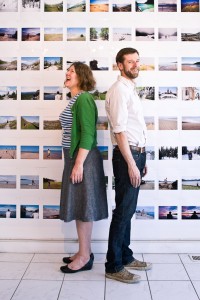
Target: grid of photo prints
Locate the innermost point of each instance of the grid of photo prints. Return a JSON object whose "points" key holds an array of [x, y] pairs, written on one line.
{"points": [[36, 49]]}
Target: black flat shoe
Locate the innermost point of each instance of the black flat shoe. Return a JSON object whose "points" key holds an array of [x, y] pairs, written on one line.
{"points": [[86, 267], [68, 260]]}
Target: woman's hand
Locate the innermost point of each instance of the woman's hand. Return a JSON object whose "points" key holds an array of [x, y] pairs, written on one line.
{"points": [[77, 173]]}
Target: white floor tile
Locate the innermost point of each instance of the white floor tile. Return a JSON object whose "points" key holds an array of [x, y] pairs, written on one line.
{"points": [[12, 270], [185, 258], [16, 257], [173, 290], [99, 258], [162, 258], [55, 258], [7, 288], [167, 272], [193, 271], [82, 290], [197, 287], [116, 290], [37, 290], [44, 271], [97, 273]]}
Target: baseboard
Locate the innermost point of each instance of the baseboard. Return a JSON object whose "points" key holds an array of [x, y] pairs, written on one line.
{"points": [[98, 246]]}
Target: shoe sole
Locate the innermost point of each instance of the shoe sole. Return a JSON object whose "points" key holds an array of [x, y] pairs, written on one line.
{"points": [[139, 268], [123, 280]]}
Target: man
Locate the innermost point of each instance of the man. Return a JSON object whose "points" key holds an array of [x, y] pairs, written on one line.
{"points": [[128, 135]]}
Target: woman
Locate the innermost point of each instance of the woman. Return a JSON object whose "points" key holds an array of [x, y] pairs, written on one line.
{"points": [[83, 193]]}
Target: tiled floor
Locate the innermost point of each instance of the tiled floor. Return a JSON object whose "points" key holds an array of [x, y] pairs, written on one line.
{"points": [[37, 277]]}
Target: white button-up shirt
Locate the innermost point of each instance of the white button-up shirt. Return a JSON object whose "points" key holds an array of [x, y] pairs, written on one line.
{"points": [[124, 111]]}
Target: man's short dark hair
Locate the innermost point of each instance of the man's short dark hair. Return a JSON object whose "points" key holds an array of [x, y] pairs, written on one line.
{"points": [[124, 51]]}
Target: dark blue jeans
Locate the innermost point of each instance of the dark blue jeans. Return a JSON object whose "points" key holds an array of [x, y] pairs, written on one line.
{"points": [[119, 253]]}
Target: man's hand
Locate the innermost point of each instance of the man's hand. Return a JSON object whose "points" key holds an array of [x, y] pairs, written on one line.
{"points": [[134, 175], [145, 170]]}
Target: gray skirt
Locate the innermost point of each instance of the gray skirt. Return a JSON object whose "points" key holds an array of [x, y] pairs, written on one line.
{"points": [[85, 201]]}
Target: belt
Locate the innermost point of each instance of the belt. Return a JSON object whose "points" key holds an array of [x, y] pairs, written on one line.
{"points": [[135, 148]]}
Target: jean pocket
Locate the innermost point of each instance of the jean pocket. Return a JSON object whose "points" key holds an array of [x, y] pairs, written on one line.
{"points": [[136, 155]]}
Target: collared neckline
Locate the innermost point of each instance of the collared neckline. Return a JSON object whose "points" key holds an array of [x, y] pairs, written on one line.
{"points": [[127, 81]]}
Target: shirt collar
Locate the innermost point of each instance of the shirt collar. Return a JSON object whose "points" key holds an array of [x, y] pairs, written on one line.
{"points": [[126, 81]]}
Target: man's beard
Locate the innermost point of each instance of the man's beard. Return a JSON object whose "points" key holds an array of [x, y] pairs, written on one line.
{"points": [[131, 75]]}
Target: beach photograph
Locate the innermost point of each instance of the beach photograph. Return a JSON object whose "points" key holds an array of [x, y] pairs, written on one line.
{"points": [[8, 93], [167, 64], [99, 93], [191, 152], [146, 92], [99, 34], [8, 122], [189, 5], [76, 34], [144, 34], [147, 184], [7, 211], [102, 123], [51, 212], [29, 182], [150, 152], [190, 212], [29, 152], [191, 183], [53, 63], [147, 64], [122, 34], [168, 184], [8, 34], [168, 153], [167, 34], [190, 93], [30, 63], [8, 152], [167, 123], [190, 34], [99, 5], [52, 183], [31, 5], [30, 34], [53, 34], [53, 93], [167, 5], [30, 93], [8, 5], [168, 93], [167, 212], [51, 123], [30, 122], [8, 63], [53, 6], [29, 211], [104, 151], [52, 152], [76, 5], [190, 64], [144, 213], [150, 123], [100, 64], [190, 123], [121, 6], [144, 5], [7, 181]]}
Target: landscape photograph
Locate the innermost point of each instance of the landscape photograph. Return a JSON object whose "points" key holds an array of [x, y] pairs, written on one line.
{"points": [[104, 151], [168, 93], [102, 123], [8, 152], [147, 64], [99, 5], [52, 183], [190, 123], [76, 6], [190, 64], [51, 212], [147, 184], [144, 213], [8, 93], [190, 5], [69, 62], [168, 184], [144, 34], [30, 93], [8, 34], [150, 122], [168, 153], [100, 64], [191, 183], [167, 34], [53, 63], [29, 182], [122, 34], [168, 212], [190, 212], [190, 35], [30, 122], [121, 6], [51, 123], [190, 93], [99, 34], [8, 122], [76, 34], [52, 93], [53, 5], [52, 152], [29, 211], [7, 181], [167, 64], [30, 63], [150, 152], [31, 5], [167, 5], [53, 34], [8, 5], [99, 93], [167, 123], [8, 63], [30, 34], [146, 92], [29, 152], [144, 5], [191, 152], [7, 211]]}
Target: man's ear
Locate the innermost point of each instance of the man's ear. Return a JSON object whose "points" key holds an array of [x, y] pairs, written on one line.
{"points": [[120, 66]]}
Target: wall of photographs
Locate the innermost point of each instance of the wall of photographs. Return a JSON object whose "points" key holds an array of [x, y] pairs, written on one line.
{"points": [[39, 39]]}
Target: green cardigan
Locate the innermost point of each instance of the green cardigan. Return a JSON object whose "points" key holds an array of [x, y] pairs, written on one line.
{"points": [[85, 114]]}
